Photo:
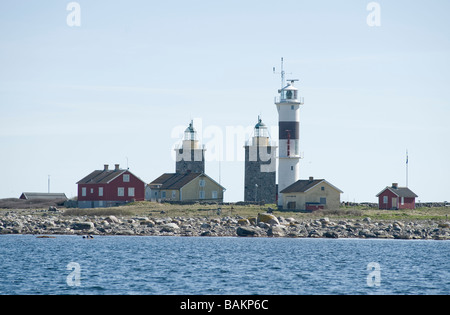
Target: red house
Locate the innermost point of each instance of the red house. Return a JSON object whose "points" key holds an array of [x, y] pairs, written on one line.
{"points": [[394, 198], [108, 188]]}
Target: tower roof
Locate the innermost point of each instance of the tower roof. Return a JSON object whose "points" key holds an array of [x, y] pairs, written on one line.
{"points": [[260, 124]]}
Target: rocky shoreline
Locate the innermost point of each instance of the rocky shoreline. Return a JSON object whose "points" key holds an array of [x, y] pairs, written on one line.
{"points": [[264, 225]]}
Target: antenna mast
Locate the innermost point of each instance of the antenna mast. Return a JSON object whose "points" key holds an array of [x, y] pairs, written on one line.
{"points": [[283, 73]]}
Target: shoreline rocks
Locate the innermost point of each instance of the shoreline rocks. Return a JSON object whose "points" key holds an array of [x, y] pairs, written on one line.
{"points": [[264, 225]]}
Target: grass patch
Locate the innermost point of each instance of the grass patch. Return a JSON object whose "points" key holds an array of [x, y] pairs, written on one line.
{"points": [[98, 212]]}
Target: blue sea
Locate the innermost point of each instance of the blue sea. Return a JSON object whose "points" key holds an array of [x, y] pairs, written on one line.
{"points": [[221, 266]]}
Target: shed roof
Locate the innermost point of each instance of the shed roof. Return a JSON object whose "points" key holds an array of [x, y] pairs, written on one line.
{"points": [[305, 185], [49, 196]]}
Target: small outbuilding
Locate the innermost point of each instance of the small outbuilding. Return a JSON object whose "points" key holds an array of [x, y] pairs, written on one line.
{"points": [[394, 198], [311, 194], [42, 196]]}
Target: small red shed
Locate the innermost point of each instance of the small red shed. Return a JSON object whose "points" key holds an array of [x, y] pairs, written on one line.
{"points": [[394, 198], [107, 188]]}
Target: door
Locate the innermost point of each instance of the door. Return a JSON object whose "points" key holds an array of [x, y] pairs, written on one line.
{"points": [[394, 203]]}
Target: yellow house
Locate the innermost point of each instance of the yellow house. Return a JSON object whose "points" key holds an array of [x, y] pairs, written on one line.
{"points": [[312, 194], [184, 187]]}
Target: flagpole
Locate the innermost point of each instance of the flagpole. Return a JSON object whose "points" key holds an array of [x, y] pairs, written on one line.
{"points": [[407, 162]]}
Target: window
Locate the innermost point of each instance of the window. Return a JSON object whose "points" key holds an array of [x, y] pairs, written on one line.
{"points": [[201, 194], [385, 199], [126, 178], [100, 191], [323, 201], [214, 194], [202, 183], [120, 191], [83, 191], [163, 194], [292, 107], [402, 200], [174, 193], [130, 191], [92, 190], [322, 188], [292, 168]]}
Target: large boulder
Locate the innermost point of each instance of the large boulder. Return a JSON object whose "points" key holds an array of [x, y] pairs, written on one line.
{"points": [[85, 226], [268, 218], [169, 227], [277, 231], [245, 231]]}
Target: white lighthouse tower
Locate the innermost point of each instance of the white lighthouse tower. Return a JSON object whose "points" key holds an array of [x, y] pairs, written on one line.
{"points": [[288, 104]]}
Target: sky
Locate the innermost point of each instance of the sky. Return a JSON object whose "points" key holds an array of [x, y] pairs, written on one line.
{"points": [[117, 82]]}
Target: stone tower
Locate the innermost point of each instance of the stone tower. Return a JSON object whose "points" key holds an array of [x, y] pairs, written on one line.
{"points": [[191, 156], [260, 167]]}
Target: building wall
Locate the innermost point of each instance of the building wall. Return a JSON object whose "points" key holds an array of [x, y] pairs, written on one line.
{"points": [[259, 171], [110, 191], [408, 203], [191, 191], [314, 195]]}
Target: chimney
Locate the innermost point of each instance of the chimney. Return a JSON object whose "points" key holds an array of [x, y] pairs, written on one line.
{"points": [[106, 166], [116, 167], [395, 185], [311, 178]]}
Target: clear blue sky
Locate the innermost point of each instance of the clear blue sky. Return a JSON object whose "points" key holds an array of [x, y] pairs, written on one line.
{"points": [[120, 86]]}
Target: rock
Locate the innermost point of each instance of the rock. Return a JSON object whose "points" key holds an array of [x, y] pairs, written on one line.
{"points": [[366, 233], [268, 218], [245, 231], [367, 220], [243, 222], [331, 234], [264, 225], [82, 226], [205, 226], [314, 234], [112, 219], [169, 227], [277, 231]]}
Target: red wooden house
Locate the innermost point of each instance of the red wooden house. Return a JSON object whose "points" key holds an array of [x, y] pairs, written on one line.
{"points": [[107, 188], [394, 198]]}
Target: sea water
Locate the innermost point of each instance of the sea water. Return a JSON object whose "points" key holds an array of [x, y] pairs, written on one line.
{"points": [[221, 266]]}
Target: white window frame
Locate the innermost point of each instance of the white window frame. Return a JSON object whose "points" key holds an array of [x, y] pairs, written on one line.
{"points": [[402, 201], [126, 178], [120, 192], [201, 194], [202, 183], [174, 193], [163, 194], [214, 194], [83, 191], [131, 191], [100, 191], [385, 199]]}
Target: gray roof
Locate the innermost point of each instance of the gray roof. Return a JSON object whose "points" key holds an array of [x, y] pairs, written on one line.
{"points": [[400, 192], [48, 196], [176, 181], [101, 176], [305, 185]]}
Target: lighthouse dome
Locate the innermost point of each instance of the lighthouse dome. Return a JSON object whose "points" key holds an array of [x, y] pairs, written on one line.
{"points": [[261, 129]]}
